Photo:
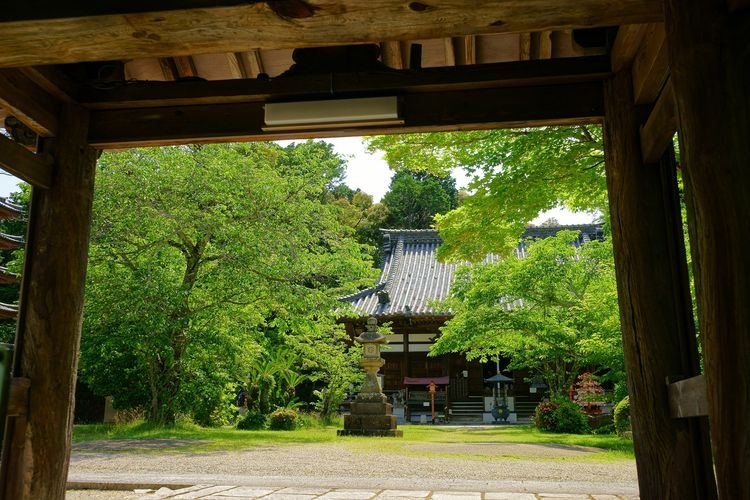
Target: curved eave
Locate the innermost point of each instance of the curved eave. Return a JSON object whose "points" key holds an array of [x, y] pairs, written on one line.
{"points": [[9, 242], [8, 311], [393, 317], [8, 278], [10, 210]]}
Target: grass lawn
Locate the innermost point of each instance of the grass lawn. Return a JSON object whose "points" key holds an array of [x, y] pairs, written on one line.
{"points": [[230, 439]]}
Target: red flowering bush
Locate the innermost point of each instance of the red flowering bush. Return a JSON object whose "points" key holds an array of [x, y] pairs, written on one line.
{"points": [[544, 416], [588, 394]]}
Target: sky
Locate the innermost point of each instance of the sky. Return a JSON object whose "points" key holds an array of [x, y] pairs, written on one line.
{"points": [[368, 172]]}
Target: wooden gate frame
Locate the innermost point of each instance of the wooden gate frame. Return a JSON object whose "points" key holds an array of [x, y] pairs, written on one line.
{"points": [[686, 70]]}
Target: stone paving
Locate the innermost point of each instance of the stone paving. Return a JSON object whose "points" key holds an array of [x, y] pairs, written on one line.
{"points": [[230, 492]]}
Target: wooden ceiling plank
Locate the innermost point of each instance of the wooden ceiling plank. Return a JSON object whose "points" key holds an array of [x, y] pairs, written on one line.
{"points": [[469, 50], [452, 110], [236, 66], [512, 74], [660, 127], [450, 52], [185, 67], [168, 68], [524, 46], [392, 55], [30, 167], [28, 102], [252, 62], [627, 43], [651, 65], [233, 29]]}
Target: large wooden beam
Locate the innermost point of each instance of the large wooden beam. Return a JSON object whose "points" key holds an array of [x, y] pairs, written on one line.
{"points": [[19, 161], [485, 76], [651, 65], [627, 43], [672, 456], [37, 447], [448, 110], [660, 127], [237, 28], [709, 60], [25, 100]]}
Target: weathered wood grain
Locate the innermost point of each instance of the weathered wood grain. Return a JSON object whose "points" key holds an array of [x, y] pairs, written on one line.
{"points": [[651, 65], [447, 110], [515, 74], [660, 127], [709, 59], [25, 100], [19, 161], [237, 28], [672, 456], [37, 450], [627, 43]]}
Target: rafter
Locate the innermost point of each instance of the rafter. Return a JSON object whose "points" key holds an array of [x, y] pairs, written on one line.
{"points": [[22, 98], [515, 74], [117, 36], [30, 167], [392, 55]]}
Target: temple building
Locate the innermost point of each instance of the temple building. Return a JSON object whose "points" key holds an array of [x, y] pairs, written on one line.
{"points": [[411, 282]]}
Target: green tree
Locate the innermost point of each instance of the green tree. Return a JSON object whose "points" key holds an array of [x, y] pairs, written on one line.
{"points": [[366, 218], [415, 198], [514, 174], [553, 312], [193, 249]]}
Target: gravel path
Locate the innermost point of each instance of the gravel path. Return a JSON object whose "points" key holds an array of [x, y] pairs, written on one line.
{"points": [[338, 463]]}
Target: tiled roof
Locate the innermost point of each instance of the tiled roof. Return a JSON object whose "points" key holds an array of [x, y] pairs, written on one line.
{"points": [[412, 277], [10, 210]]}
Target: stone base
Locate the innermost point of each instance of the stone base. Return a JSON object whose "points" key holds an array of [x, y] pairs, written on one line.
{"points": [[370, 422], [371, 432], [371, 415]]}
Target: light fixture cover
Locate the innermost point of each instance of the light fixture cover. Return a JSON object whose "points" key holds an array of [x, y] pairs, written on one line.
{"points": [[367, 111]]}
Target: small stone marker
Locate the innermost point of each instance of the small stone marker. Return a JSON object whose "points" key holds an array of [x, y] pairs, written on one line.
{"points": [[371, 414]]}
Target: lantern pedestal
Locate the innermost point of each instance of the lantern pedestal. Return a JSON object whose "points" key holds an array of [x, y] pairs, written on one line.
{"points": [[371, 413], [370, 416]]}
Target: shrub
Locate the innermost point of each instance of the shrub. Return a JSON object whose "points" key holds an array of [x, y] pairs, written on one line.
{"points": [[604, 429], [570, 419], [622, 416], [544, 416], [620, 392], [253, 420], [283, 419]]}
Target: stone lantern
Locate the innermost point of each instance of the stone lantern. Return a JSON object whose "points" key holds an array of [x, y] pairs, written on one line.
{"points": [[371, 414]]}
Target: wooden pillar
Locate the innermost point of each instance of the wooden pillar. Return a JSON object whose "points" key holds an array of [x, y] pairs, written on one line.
{"points": [[49, 323], [710, 66], [673, 455]]}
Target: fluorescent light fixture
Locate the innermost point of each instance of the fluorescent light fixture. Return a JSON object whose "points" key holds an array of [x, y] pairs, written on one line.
{"points": [[368, 111]]}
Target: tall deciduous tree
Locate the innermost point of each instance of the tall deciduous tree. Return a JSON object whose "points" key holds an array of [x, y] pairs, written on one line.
{"points": [[515, 175], [415, 198], [360, 213], [193, 249], [553, 312]]}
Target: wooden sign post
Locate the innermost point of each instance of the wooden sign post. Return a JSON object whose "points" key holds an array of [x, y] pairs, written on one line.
{"points": [[433, 389]]}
